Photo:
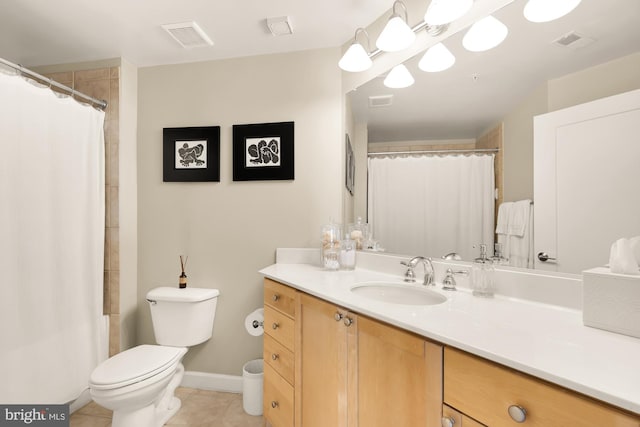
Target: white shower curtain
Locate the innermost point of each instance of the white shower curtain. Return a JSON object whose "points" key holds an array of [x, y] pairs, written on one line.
{"points": [[432, 205], [51, 244]]}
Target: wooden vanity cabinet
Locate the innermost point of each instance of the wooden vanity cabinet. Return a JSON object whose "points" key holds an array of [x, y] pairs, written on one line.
{"points": [[279, 348], [355, 371], [326, 366], [453, 418], [399, 377], [485, 391]]}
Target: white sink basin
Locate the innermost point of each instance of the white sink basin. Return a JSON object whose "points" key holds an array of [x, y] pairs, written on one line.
{"points": [[396, 293]]}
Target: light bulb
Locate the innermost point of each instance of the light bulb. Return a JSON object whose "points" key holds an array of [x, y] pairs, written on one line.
{"points": [[548, 10], [485, 34], [355, 59], [399, 77], [442, 12], [437, 58], [395, 36]]}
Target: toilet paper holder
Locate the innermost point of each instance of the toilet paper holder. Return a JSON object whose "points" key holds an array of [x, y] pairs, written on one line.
{"points": [[257, 324]]}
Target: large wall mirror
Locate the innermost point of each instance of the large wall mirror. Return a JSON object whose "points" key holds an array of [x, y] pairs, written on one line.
{"points": [[592, 53]]}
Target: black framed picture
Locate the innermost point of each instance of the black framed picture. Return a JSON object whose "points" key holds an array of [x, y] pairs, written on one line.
{"points": [[191, 154], [263, 152], [349, 166]]}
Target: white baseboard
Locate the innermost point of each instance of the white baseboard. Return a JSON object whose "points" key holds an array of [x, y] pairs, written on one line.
{"points": [[83, 399], [215, 382]]}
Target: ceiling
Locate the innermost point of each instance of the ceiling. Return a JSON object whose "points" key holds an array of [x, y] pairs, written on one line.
{"points": [[454, 105], [45, 32], [40, 32]]}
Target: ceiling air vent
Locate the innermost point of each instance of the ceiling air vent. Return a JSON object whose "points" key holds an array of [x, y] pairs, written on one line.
{"points": [[573, 40], [380, 101], [280, 26], [188, 34]]}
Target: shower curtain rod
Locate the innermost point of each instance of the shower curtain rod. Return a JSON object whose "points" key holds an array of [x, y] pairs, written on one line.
{"points": [[392, 153], [98, 102]]}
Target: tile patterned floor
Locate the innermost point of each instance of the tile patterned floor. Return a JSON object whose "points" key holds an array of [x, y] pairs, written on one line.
{"points": [[200, 408]]}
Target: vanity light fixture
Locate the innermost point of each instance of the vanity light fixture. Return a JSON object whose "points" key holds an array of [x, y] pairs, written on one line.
{"points": [[485, 34], [399, 77], [436, 58], [442, 12], [396, 35], [356, 58], [548, 10]]}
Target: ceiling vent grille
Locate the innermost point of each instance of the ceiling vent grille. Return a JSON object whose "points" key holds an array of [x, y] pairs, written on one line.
{"points": [[188, 34], [380, 101], [573, 40], [280, 26]]}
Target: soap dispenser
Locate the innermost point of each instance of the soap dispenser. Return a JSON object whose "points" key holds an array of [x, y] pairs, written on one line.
{"points": [[482, 271]]}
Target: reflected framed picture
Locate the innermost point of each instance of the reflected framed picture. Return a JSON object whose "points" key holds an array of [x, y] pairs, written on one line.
{"points": [[191, 154], [263, 151], [350, 166]]}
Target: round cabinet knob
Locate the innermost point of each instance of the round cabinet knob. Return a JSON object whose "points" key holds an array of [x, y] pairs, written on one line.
{"points": [[447, 422], [275, 325], [348, 321], [274, 356], [338, 316], [517, 413], [274, 404], [275, 297]]}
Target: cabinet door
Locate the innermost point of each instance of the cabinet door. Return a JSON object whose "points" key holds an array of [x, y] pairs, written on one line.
{"points": [[399, 377], [321, 365]]}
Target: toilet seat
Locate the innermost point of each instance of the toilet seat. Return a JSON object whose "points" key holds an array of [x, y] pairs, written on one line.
{"points": [[135, 365]]}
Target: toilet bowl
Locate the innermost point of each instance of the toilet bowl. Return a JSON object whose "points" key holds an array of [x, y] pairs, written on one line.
{"points": [[138, 384]]}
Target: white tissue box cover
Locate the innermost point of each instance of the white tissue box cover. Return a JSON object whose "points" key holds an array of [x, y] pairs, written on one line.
{"points": [[611, 301]]}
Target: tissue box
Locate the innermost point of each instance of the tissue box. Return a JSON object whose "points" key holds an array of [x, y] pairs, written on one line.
{"points": [[611, 301]]}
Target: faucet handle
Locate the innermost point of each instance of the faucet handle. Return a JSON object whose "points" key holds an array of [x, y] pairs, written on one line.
{"points": [[409, 275], [449, 282]]}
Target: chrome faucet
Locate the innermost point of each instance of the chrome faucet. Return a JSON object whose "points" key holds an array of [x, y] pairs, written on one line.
{"points": [[429, 272]]}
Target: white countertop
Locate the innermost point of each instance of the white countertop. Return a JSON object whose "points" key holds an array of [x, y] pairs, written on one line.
{"points": [[546, 341]]}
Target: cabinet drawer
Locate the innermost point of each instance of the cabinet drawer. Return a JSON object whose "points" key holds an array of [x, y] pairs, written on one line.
{"points": [[280, 297], [279, 357], [459, 420], [278, 399], [485, 391], [279, 326]]}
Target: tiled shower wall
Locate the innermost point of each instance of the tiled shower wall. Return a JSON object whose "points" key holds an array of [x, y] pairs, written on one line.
{"points": [[104, 83]]}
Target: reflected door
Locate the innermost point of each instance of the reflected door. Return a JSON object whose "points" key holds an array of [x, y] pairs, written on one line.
{"points": [[586, 181]]}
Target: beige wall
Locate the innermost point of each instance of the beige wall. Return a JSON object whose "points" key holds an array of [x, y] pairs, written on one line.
{"points": [[518, 146], [128, 201], [611, 78], [230, 229]]}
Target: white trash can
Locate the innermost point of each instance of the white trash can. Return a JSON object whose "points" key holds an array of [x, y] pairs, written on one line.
{"points": [[252, 379]]}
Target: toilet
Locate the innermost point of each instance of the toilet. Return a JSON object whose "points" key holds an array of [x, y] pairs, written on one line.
{"points": [[138, 384]]}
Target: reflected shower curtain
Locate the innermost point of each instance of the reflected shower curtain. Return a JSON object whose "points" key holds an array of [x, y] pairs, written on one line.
{"points": [[432, 205], [51, 244]]}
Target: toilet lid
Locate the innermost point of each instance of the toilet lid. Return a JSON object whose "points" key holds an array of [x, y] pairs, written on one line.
{"points": [[134, 365]]}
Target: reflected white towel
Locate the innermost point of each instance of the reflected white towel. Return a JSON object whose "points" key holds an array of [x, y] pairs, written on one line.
{"points": [[504, 213], [514, 229], [519, 218]]}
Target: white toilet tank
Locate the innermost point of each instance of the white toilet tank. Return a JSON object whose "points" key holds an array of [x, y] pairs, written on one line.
{"points": [[182, 317]]}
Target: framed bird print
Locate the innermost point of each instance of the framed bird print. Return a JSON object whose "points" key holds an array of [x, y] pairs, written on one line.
{"points": [[263, 152], [191, 154]]}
